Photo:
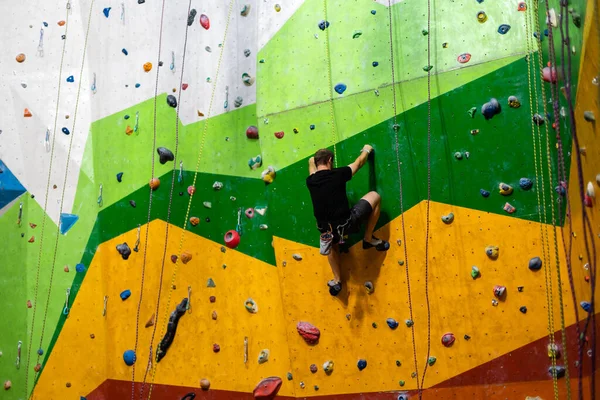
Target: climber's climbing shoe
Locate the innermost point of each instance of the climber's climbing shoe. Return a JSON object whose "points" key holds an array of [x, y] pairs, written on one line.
{"points": [[381, 246]]}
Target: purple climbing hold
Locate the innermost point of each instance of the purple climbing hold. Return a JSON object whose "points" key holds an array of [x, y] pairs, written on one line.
{"points": [[124, 250]]}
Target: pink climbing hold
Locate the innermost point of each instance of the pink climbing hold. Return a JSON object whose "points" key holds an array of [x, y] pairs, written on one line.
{"points": [[464, 58], [549, 74], [249, 212], [204, 21], [268, 388], [309, 332]]}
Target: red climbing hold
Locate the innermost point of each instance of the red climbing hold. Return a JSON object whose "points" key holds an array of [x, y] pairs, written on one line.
{"points": [[216, 348], [184, 86], [252, 132], [588, 201], [204, 21], [267, 388], [499, 291], [279, 134], [464, 58], [232, 239], [173, 258], [32, 225], [309, 332], [31, 239], [448, 339], [549, 74], [29, 305]]}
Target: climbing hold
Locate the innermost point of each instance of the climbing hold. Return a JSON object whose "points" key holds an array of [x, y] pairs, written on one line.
{"points": [[431, 360], [216, 348], [499, 291], [124, 51], [167, 340], [186, 257], [309, 332], [252, 132], [525, 183], [207, 204], [484, 193], [538, 119], [586, 305], [503, 29], [398, 363], [27, 113], [340, 88], [535, 264], [150, 321], [61, 23], [20, 57], [191, 190], [79, 267], [132, 203], [106, 11], [492, 252], [464, 58], [172, 101], [255, 162], [279, 134], [447, 219], [251, 306], [523, 309], [66, 268], [590, 191], [29, 305], [409, 323], [427, 68], [124, 250], [475, 272], [214, 315], [120, 177], [472, 112], [323, 25], [247, 52], [204, 384], [66, 131], [70, 79], [509, 208], [467, 337], [328, 367], [458, 155], [125, 294], [37, 367], [184, 86], [551, 18], [31, 239], [147, 67], [165, 155], [490, 108], [154, 183], [247, 79], [481, 17], [313, 368], [263, 227], [245, 10], [513, 102], [505, 189], [448, 339], [553, 351], [277, 7], [232, 239], [263, 356], [557, 371], [375, 63], [204, 21], [362, 364], [238, 101], [549, 74], [268, 388], [312, 127], [392, 323], [561, 190], [129, 357], [268, 175], [356, 34], [210, 283], [522, 6], [401, 383], [369, 287], [217, 185], [194, 221], [576, 19], [7, 385], [212, 299], [589, 116]]}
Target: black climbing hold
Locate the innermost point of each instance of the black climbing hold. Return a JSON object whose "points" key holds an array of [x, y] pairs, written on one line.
{"points": [[538, 119], [165, 155], [191, 17], [362, 364], [160, 63], [375, 63], [491, 108], [520, 288], [124, 250], [126, 116], [525, 183], [312, 127], [484, 193], [535, 264], [576, 19], [558, 371], [523, 310], [373, 12], [66, 131], [132, 203], [167, 340], [207, 219], [323, 25], [141, 1], [467, 337], [189, 396], [172, 101], [398, 363], [119, 177]]}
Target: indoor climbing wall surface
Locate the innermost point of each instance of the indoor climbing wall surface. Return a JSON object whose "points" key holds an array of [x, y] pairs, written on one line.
{"points": [[96, 261]]}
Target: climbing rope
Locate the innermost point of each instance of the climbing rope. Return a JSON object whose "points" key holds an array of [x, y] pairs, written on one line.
{"points": [[187, 213], [428, 222], [396, 128], [331, 109], [44, 216], [150, 195]]}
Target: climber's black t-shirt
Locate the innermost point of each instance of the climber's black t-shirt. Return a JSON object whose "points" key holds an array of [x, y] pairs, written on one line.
{"points": [[328, 192]]}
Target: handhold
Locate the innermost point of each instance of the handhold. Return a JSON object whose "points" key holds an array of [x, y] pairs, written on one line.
{"points": [[362, 364], [409, 323], [328, 367], [120, 177], [576, 19], [217, 185], [204, 21], [184, 86], [499, 291], [263, 227], [323, 25], [232, 239], [61, 23], [70, 79], [167, 340], [340, 88], [165, 155], [464, 58], [106, 11], [66, 268], [279, 134], [238, 101], [37, 367], [447, 219], [214, 315], [124, 250], [313, 368], [20, 57], [297, 257], [263, 356], [124, 51], [549, 74], [207, 204], [375, 63], [216, 348], [522, 6], [150, 321], [245, 10], [147, 67], [535, 264], [525, 183], [561, 190], [129, 357], [194, 221], [509, 208], [586, 305], [431, 360], [31, 239], [356, 34], [523, 309], [132, 203], [277, 7], [448, 339], [79, 268], [7, 385], [255, 162], [251, 306], [538, 119], [427, 68], [204, 384], [551, 18], [481, 17], [252, 132], [557, 371], [369, 287], [472, 112], [27, 113], [268, 175], [210, 283], [154, 183], [172, 101], [186, 257], [458, 155], [492, 252], [268, 388], [309, 332], [66, 131], [29, 305], [212, 299], [247, 79], [503, 29], [505, 189], [475, 272], [589, 116], [490, 108], [590, 190], [392, 323], [125, 294], [484, 193], [513, 102], [191, 190]]}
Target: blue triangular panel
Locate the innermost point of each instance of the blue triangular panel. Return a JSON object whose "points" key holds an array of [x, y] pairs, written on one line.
{"points": [[10, 187], [67, 221]]}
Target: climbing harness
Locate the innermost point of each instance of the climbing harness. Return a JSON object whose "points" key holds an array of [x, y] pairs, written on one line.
{"points": [[200, 151], [105, 306], [99, 201], [66, 310], [40, 47], [20, 217], [396, 128], [18, 362], [330, 93]]}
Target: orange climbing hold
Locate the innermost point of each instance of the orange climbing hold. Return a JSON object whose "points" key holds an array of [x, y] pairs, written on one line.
{"points": [[186, 257], [148, 67], [31, 239], [194, 221], [200, 114], [61, 23], [27, 113], [128, 130], [20, 58], [154, 183]]}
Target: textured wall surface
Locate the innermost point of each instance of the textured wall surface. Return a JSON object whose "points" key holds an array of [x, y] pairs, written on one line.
{"points": [[275, 59]]}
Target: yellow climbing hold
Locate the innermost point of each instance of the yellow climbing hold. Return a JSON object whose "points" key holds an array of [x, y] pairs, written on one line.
{"points": [[505, 189], [277, 7], [148, 67]]}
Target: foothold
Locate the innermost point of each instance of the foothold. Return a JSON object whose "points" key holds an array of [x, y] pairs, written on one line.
{"points": [[132, 203], [499, 291], [475, 272], [169, 336], [217, 348], [472, 112], [492, 252], [251, 306], [586, 305], [20, 58], [172, 101], [212, 299], [277, 7], [328, 367], [31, 239], [37, 367], [538, 119], [268, 175], [447, 219], [71, 79], [467, 337], [503, 29], [207, 204], [210, 283], [263, 356], [484, 193], [129, 357], [323, 25], [247, 52], [458, 155], [557, 371], [398, 363], [374, 325], [522, 6], [66, 268], [401, 383], [204, 21], [431, 360], [268, 388], [523, 310], [340, 88], [154, 183], [392, 323], [66, 131], [401, 262], [147, 67], [513, 102], [125, 294], [186, 257], [255, 162], [124, 250], [409, 323], [165, 155], [589, 116], [194, 221], [490, 108], [505, 189], [204, 384], [549, 74], [279, 134], [191, 190], [375, 63], [448, 339], [120, 177], [313, 368], [525, 183], [245, 10], [309, 332], [184, 86], [535, 264], [464, 58], [362, 364], [79, 267], [481, 17], [124, 51], [252, 132], [356, 34], [509, 208], [150, 321], [232, 239], [29, 305], [369, 287]]}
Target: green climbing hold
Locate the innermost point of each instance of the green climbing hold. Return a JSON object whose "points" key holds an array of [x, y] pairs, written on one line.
{"points": [[409, 323], [425, 32], [210, 283], [400, 262], [475, 272], [472, 112], [427, 68], [402, 383], [356, 34], [431, 360]]}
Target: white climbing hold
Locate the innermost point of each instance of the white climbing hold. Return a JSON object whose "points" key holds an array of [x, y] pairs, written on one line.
{"points": [[297, 257], [590, 190], [261, 210], [263, 227], [217, 185], [207, 204], [551, 18]]}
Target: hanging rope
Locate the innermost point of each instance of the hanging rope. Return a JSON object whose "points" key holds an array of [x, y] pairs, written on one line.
{"points": [[396, 128], [330, 81], [187, 213]]}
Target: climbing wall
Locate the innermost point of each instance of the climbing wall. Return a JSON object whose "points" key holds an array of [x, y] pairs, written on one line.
{"points": [[142, 139]]}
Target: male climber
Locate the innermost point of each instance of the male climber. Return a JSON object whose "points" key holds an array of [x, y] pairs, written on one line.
{"points": [[335, 219]]}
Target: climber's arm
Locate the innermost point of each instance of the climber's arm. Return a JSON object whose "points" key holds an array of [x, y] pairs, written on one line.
{"points": [[312, 168], [362, 159]]}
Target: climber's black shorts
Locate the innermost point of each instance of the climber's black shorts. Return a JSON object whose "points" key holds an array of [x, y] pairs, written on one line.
{"points": [[332, 233]]}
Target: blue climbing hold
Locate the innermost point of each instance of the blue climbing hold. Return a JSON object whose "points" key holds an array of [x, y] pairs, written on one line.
{"points": [[106, 11], [537, 36], [362, 364], [312, 127], [119, 177], [586, 305], [323, 25], [80, 267], [503, 29], [525, 183], [340, 88], [125, 52], [45, 24], [67, 221], [375, 63], [125, 294], [484, 193], [126, 116], [480, 1], [392, 323], [137, 85], [560, 189], [490, 108], [129, 357], [373, 12], [40, 352], [66, 131], [71, 79], [546, 32], [535, 264]]}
